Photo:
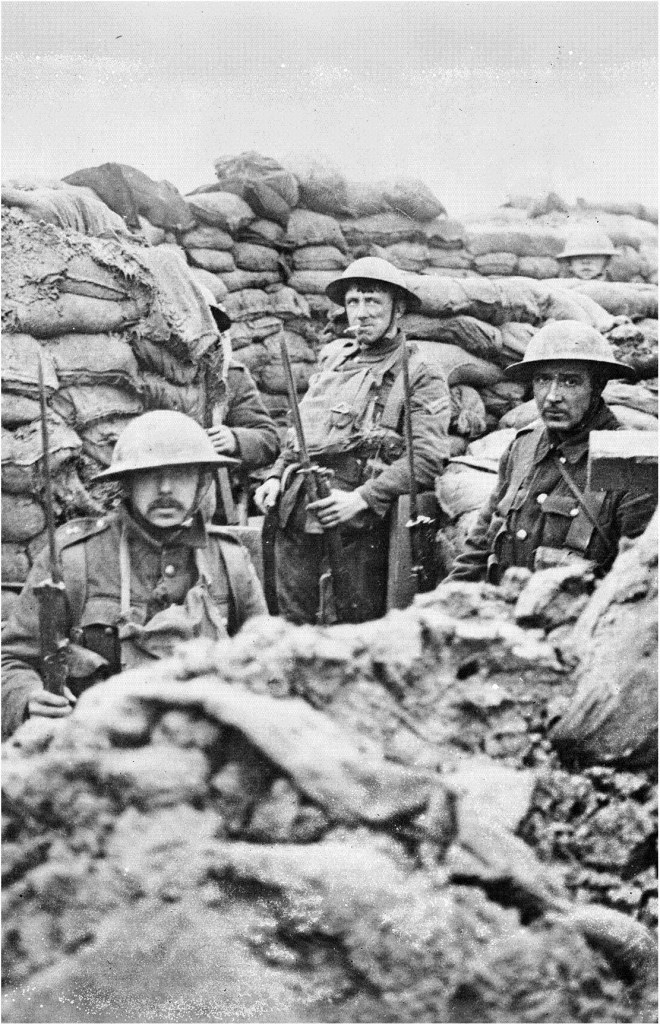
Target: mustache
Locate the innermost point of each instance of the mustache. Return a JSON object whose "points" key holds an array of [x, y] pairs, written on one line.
{"points": [[164, 503]]}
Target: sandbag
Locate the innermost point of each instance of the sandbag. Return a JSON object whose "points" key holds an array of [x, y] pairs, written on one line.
{"points": [[635, 300], [152, 234], [381, 229], [444, 233], [474, 336], [320, 306], [257, 329], [499, 398], [158, 393], [15, 563], [299, 349], [99, 439], [539, 267], [205, 236], [322, 187], [273, 380], [67, 314], [22, 452], [130, 192], [312, 282], [255, 356], [463, 488], [411, 256], [222, 210], [412, 198], [633, 419], [489, 450], [271, 191], [468, 415], [21, 355], [22, 518], [319, 257], [515, 339], [364, 198], [248, 303], [93, 359], [77, 209], [597, 316], [158, 360], [496, 264], [239, 280], [216, 261], [287, 303], [459, 367], [248, 256], [308, 228], [9, 602], [82, 406], [264, 232], [449, 259], [626, 265], [215, 284], [521, 416], [633, 396], [524, 240], [16, 409]]}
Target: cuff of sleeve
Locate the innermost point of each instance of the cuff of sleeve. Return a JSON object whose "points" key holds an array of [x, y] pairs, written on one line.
{"points": [[375, 503]]}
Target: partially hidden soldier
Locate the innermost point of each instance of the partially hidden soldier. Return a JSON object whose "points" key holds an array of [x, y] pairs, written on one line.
{"points": [[541, 512], [587, 253], [138, 580], [353, 421]]}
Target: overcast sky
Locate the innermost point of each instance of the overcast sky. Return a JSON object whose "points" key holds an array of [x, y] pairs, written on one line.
{"points": [[479, 99]]}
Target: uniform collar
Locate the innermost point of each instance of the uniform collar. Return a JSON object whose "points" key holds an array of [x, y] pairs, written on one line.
{"points": [[574, 446], [380, 360], [193, 536]]}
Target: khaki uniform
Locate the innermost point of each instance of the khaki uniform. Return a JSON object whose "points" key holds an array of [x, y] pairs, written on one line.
{"points": [[242, 409], [352, 418], [533, 516], [120, 580]]}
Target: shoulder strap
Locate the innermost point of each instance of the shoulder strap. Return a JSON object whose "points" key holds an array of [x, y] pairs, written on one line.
{"points": [[583, 502], [393, 410]]}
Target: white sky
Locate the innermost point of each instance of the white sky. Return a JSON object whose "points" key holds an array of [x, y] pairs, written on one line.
{"points": [[478, 99]]}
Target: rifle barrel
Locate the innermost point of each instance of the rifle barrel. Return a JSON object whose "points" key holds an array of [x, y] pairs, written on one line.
{"points": [[407, 417], [293, 402], [56, 574]]}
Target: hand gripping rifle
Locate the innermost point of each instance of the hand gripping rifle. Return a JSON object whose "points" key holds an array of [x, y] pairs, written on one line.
{"points": [[346, 604], [421, 528], [51, 594]]}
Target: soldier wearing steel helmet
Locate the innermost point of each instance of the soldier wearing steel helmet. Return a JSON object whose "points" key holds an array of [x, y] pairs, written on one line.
{"points": [[587, 253], [541, 512], [352, 417], [139, 579]]}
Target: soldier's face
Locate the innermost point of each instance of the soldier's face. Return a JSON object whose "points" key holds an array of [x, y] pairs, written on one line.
{"points": [[370, 311], [563, 393], [164, 496], [588, 268]]}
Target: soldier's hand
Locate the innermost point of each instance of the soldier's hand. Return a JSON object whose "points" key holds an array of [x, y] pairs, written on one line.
{"points": [[223, 439], [338, 508], [266, 495], [52, 705]]}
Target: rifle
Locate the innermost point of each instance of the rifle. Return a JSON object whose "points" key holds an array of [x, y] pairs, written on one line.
{"points": [[51, 594], [346, 603], [421, 528]]}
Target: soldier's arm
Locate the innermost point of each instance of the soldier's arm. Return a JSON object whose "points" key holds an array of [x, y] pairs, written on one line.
{"points": [[21, 652], [634, 513], [431, 411], [251, 423], [472, 563]]}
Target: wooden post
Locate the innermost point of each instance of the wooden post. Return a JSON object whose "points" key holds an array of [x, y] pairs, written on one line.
{"points": [[623, 460]]}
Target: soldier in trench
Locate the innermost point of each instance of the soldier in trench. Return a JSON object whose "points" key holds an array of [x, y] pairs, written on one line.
{"points": [[541, 512]]}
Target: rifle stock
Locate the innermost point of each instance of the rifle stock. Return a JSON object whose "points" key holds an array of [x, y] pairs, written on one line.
{"points": [[343, 591]]}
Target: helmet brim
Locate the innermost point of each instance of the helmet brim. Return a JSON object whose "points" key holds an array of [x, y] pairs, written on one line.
{"points": [[139, 465], [523, 372], [580, 252], [336, 291]]}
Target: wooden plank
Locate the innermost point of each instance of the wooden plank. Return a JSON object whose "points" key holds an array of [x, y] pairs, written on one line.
{"points": [[623, 460]]}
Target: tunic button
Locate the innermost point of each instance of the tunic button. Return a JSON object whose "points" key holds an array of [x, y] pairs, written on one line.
{"points": [[574, 512], [541, 498], [521, 534], [169, 570], [562, 459]]}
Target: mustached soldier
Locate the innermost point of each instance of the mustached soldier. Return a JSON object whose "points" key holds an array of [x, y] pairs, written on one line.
{"points": [[138, 580], [352, 416]]}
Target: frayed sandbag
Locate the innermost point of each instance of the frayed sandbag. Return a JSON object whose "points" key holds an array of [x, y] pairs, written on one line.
{"points": [[499, 398], [485, 238], [248, 256], [462, 488], [322, 187], [22, 518], [264, 232], [319, 257], [515, 339], [82, 406], [130, 192], [17, 410], [99, 439], [77, 209], [626, 265], [271, 191], [47, 318], [247, 332], [216, 261], [239, 280], [158, 360], [158, 393], [152, 234], [93, 359], [248, 303], [633, 419], [364, 198], [308, 228], [215, 284], [449, 259], [539, 267], [381, 229], [205, 236], [312, 282], [15, 563], [21, 355], [411, 256], [459, 367], [496, 264], [636, 345], [444, 233], [287, 303], [22, 453], [468, 415], [412, 198], [634, 300], [222, 210], [633, 396]]}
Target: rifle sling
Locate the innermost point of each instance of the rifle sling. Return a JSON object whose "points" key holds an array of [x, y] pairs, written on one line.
{"points": [[582, 501]]}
